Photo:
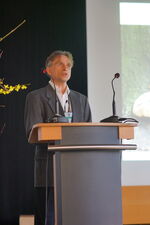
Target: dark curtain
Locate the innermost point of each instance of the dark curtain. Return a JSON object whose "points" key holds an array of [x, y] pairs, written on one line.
{"points": [[50, 25]]}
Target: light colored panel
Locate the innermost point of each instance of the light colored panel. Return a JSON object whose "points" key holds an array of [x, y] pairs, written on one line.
{"points": [[26, 220], [103, 55], [104, 60], [136, 204], [135, 173]]}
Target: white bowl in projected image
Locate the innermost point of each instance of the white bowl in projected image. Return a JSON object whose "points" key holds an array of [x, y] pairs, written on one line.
{"points": [[141, 107]]}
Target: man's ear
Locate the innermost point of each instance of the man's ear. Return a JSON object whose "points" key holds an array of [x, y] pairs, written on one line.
{"points": [[48, 70], [44, 71]]}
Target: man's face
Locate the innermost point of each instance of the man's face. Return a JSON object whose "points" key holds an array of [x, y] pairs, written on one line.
{"points": [[60, 69]]}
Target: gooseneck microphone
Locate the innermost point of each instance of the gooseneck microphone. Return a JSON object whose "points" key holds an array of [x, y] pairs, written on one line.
{"points": [[114, 118], [57, 118], [117, 75]]}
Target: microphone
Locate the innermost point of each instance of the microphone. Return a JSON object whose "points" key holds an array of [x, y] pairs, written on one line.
{"points": [[116, 76], [57, 118], [114, 118]]}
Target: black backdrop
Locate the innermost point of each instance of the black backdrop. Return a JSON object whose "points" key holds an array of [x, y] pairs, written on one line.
{"points": [[50, 25]]}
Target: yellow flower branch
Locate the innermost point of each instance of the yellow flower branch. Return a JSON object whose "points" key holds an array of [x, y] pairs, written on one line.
{"points": [[6, 89]]}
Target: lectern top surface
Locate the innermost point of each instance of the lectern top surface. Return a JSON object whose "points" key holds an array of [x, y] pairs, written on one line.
{"points": [[84, 124], [44, 132]]}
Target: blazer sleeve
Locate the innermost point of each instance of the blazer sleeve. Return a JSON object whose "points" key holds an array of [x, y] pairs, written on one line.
{"points": [[32, 112], [87, 112]]}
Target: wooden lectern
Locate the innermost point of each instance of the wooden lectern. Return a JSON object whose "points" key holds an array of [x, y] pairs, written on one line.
{"points": [[87, 170]]}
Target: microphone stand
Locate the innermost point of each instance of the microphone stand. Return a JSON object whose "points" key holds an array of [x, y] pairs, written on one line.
{"points": [[114, 118]]}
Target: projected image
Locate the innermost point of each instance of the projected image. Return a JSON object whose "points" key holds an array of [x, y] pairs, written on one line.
{"points": [[135, 54]]}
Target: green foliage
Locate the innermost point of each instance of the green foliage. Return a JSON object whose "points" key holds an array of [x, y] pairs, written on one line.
{"points": [[135, 47]]}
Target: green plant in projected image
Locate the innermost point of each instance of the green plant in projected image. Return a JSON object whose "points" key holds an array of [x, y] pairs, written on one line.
{"points": [[135, 60], [135, 64]]}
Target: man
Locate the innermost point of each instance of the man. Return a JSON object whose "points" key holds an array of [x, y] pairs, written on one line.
{"points": [[40, 107]]}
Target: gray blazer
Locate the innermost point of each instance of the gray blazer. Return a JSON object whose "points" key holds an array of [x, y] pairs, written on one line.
{"points": [[39, 106]]}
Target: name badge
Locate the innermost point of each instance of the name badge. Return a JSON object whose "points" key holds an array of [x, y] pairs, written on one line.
{"points": [[68, 115]]}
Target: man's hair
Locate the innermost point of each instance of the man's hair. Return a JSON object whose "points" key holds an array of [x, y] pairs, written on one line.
{"points": [[54, 54]]}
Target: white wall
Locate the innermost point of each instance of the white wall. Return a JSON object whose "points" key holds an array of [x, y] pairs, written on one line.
{"points": [[136, 173], [103, 55], [103, 52]]}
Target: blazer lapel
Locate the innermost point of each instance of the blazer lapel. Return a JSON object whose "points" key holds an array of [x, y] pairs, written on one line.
{"points": [[76, 108], [52, 100]]}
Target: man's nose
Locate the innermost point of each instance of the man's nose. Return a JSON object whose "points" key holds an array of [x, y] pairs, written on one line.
{"points": [[65, 66]]}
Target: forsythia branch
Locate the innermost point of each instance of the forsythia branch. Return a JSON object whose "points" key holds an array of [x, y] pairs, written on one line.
{"points": [[10, 88]]}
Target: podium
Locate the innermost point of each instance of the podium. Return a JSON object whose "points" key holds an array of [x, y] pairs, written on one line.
{"points": [[87, 170]]}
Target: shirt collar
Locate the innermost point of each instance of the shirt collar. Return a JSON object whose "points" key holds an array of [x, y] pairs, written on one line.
{"points": [[67, 91]]}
